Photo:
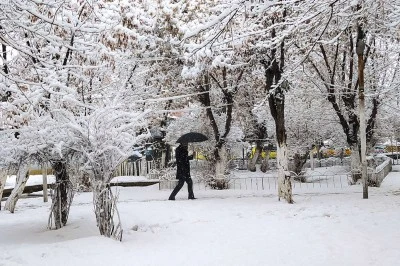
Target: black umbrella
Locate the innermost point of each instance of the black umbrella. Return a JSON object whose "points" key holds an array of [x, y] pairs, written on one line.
{"points": [[192, 137]]}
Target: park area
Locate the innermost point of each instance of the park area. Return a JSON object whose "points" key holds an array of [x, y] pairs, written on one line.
{"points": [[329, 224], [191, 133]]}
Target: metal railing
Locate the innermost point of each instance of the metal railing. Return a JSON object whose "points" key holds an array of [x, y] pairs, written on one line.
{"points": [[331, 161], [381, 172], [269, 182], [140, 167], [204, 181]]}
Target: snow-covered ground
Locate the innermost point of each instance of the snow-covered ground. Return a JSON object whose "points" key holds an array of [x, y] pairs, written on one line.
{"points": [[325, 226], [33, 180], [38, 180]]}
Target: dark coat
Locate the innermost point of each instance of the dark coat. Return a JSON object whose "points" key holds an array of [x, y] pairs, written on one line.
{"points": [[182, 162]]}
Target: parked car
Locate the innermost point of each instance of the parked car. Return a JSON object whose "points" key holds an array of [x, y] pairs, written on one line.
{"points": [[379, 149]]}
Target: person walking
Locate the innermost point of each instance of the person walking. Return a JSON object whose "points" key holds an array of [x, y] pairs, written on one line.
{"points": [[183, 171]]}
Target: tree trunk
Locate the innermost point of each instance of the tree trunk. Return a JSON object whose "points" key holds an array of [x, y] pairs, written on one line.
{"points": [[252, 165], [277, 106], [265, 162], [220, 153], [299, 161], [319, 157], [62, 196], [219, 180], [44, 177], [276, 87], [85, 184], [21, 179], [355, 163], [3, 179], [105, 208], [276, 102], [361, 104], [163, 158], [312, 159], [284, 182], [221, 163], [167, 154]]}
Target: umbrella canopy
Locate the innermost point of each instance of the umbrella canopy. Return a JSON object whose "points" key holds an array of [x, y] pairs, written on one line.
{"points": [[192, 137]]}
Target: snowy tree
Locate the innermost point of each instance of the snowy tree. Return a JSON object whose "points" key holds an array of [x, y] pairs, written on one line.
{"points": [[217, 75], [255, 123], [220, 33], [336, 50], [72, 75]]}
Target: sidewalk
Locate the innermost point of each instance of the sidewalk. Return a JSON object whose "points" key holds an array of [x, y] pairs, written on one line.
{"points": [[392, 180]]}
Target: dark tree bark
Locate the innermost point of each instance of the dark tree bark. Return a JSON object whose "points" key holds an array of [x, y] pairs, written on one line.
{"points": [[7, 94], [62, 195], [298, 163], [275, 87], [257, 133], [350, 123], [105, 209], [220, 157]]}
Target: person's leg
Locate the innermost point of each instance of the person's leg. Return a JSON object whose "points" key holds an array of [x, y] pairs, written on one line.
{"points": [[189, 182], [176, 189]]}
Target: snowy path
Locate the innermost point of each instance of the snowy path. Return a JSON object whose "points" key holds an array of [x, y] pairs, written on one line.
{"points": [[220, 228], [392, 180]]}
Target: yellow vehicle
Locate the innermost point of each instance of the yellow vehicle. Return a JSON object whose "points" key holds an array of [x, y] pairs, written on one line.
{"points": [[272, 153], [330, 152], [199, 156]]}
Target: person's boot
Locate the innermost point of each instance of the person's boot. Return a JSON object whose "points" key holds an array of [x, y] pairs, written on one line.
{"points": [[190, 189]]}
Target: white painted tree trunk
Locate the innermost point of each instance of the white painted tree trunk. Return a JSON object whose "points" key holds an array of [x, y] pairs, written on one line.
{"points": [[311, 160], [361, 104], [221, 164], [355, 157], [252, 164], [3, 179], [284, 182], [220, 169], [265, 162], [163, 159], [21, 179], [355, 163], [44, 175]]}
